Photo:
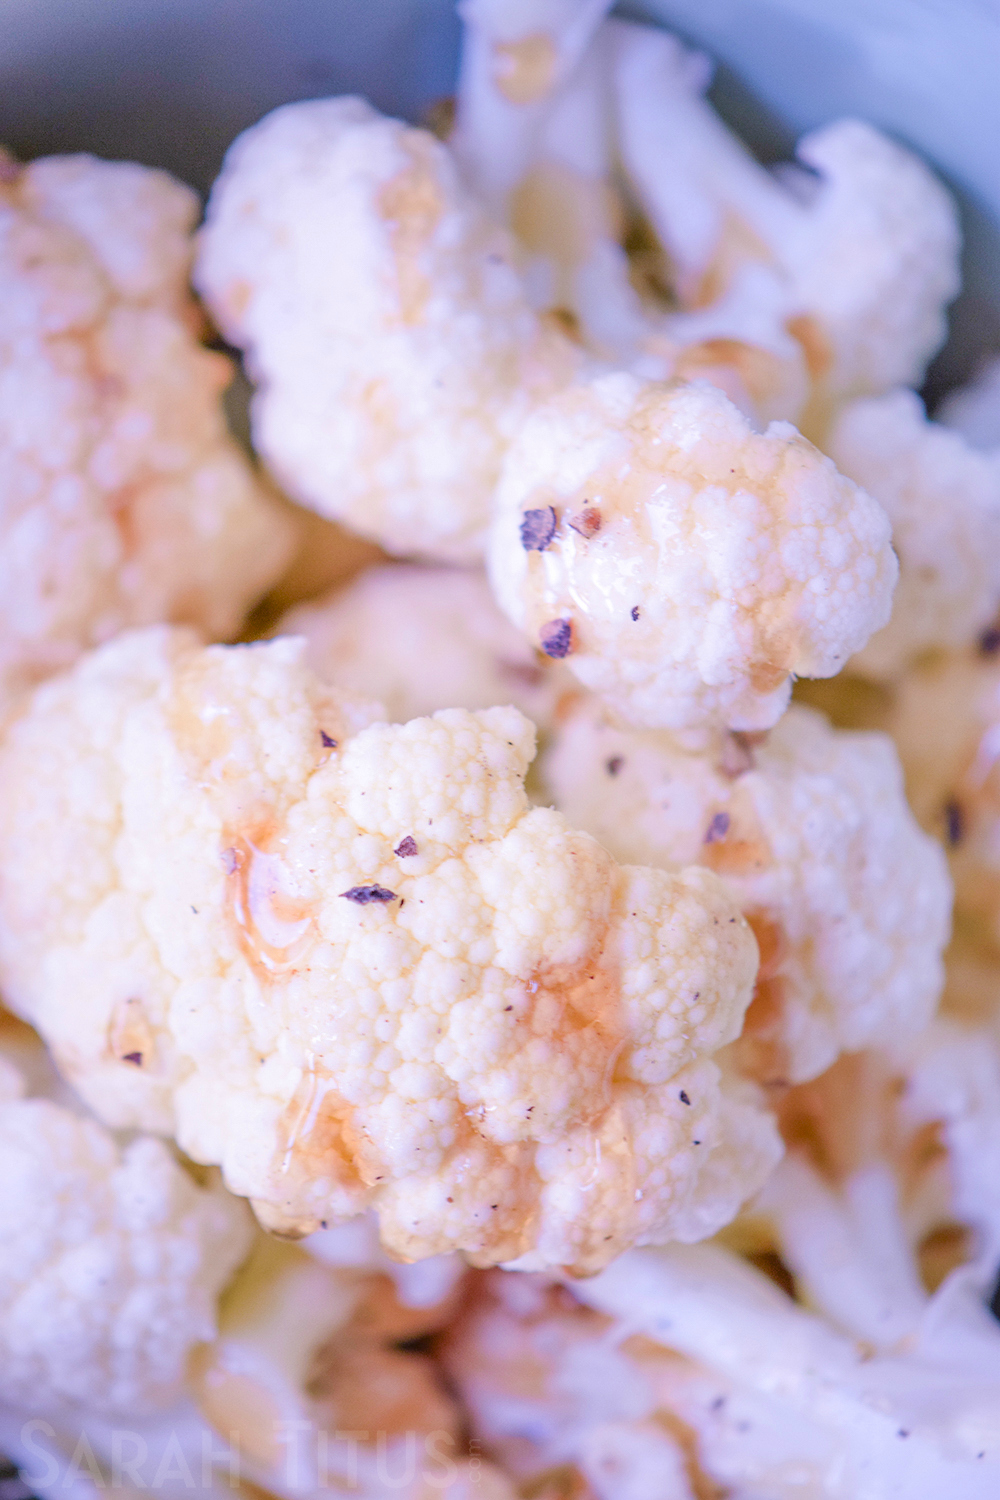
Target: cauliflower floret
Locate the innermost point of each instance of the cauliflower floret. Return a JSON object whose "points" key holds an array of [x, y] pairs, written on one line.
{"points": [[888, 1190], [357, 970], [974, 409], [125, 500], [858, 268], [419, 639], [810, 829], [684, 565], [943, 500], [384, 324], [534, 137], [111, 1261], [780, 1402]]}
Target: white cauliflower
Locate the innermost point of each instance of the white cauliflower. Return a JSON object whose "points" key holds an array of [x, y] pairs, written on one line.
{"points": [[357, 970], [125, 502], [386, 328], [111, 1261], [887, 1388], [301, 1390], [943, 500], [535, 137], [974, 409], [685, 566], [810, 829], [419, 639], [777, 1401], [857, 267]]}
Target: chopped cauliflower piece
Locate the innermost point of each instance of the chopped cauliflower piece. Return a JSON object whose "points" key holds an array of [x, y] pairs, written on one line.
{"points": [[778, 1401], [943, 500], [383, 321], [856, 256], [419, 639], [357, 970], [685, 566], [111, 1261], [974, 409], [810, 829], [546, 167], [125, 500]]}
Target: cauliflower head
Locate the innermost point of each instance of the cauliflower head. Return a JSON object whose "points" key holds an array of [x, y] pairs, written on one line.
{"points": [[111, 1261], [854, 259], [810, 829], [420, 639], [383, 321], [943, 500], [125, 500], [356, 969], [685, 566]]}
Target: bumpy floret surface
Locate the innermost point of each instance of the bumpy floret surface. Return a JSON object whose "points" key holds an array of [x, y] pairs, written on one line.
{"points": [[125, 501], [383, 320], [694, 564], [111, 1261], [810, 828], [359, 970]]}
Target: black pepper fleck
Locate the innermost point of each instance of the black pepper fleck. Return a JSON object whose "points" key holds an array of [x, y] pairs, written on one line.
{"points": [[538, 527], [635, 611], [406, 848], [718, 828], [135, 1058], [363, 894], [989, 641], [954, 822], [556, 638], [614, 765], [328, 743], [684, 1098]]}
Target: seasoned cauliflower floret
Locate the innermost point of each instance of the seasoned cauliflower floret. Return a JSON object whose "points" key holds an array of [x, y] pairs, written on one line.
{"points": [[684, 565], [943, 500], [383, 321], [857, 266], [810, 829], [125, 502], [419, 639], [111, 1261], [357, 970]]}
